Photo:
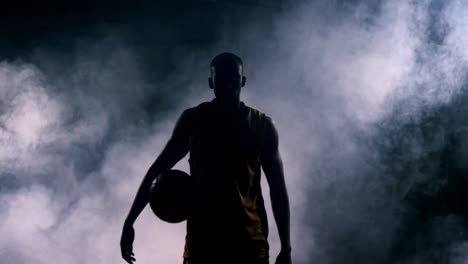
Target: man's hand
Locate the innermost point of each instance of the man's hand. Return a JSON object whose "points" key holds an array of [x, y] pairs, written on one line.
{"points": [[126, 243], [284, 257]]}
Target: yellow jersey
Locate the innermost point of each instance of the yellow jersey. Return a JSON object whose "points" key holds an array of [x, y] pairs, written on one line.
{"points": [[229, 214]]}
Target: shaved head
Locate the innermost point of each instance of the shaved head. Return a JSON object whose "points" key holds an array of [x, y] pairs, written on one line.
{"points": [[227, 78], [225, 60]]}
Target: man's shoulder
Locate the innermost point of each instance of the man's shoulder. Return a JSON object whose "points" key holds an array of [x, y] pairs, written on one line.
{"points": [[192, 114], [259, 113], [196, 109], [204, 107]]}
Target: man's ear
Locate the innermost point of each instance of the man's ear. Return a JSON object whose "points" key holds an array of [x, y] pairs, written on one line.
{"points": [[243, 81], [210, 82]]}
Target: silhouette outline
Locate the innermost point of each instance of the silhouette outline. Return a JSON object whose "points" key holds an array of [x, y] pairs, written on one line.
{"points": [[229, 143]]}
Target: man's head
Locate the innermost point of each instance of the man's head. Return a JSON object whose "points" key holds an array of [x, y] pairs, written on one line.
{"points": [[227, 78]]}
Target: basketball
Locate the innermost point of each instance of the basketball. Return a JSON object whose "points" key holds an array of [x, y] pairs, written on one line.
{"points": [[170, 196]]}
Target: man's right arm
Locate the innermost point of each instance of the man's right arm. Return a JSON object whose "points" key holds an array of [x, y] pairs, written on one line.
{"points": [[176, 148]]}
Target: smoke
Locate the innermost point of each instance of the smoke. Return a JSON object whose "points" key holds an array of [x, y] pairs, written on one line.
{"points": [[368, 96], [362, 93]]}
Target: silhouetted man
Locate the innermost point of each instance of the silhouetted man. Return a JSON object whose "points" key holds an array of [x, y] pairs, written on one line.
{"points": [[229, 143]]}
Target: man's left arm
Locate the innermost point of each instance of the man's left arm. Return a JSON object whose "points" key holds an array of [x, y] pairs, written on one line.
{"points": [[273, 167]]}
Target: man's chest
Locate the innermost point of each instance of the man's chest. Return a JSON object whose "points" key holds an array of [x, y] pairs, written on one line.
{"points": [[225, 139]]}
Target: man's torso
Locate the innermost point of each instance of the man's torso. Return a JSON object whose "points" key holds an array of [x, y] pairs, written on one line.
{"points": [[225, 153]]}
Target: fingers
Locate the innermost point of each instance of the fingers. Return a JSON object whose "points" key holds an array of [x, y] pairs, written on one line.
{"points": [[126, 250], [283, 258], [128, 256], [126, 247], [130, 259]]}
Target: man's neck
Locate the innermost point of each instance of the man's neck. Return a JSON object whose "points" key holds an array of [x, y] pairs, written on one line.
{"points": [[228, 109]]}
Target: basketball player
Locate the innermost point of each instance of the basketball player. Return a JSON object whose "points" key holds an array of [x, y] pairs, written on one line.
{"points": [[229, 142]]}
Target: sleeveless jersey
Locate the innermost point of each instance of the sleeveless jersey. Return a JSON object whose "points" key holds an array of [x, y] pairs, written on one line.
{"points": [[229, 215]]}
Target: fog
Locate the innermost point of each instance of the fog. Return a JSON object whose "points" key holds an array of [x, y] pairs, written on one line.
{"points": [[362, 93]]}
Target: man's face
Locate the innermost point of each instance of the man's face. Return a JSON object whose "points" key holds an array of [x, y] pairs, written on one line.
{"points": [[227, 80]]}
